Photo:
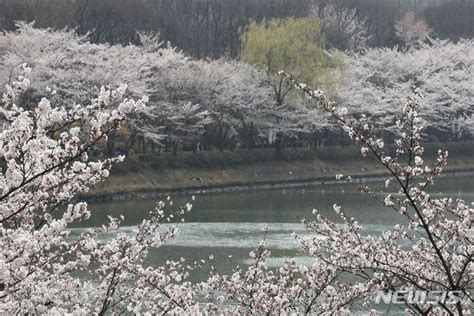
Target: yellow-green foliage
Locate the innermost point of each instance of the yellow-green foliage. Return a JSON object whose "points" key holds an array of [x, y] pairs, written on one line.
{"points": [[295, 45]]}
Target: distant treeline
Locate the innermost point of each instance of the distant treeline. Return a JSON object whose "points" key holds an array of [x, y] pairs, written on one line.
{"points": [[210, 28]]}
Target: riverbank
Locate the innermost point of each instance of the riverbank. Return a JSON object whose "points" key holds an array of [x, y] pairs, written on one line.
{"points": [[207, 172]]}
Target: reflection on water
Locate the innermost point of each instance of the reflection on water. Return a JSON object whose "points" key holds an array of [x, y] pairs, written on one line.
{"points": [[229, 225]]}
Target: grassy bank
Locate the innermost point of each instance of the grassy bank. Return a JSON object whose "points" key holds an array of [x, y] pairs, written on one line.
{"points": [[204, 170]]}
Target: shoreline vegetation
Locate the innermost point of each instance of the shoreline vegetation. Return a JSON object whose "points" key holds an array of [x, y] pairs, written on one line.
{"points": [[187, 173]]}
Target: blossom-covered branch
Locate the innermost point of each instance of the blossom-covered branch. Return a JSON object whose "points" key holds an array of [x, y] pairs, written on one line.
{"points": [[438, 231], [45, 153]]}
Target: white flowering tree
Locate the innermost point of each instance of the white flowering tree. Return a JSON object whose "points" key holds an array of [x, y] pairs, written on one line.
{"points": [[432, 251], [233, 94], [69, 63], [292, 288], [45, 164], [377, 78], [243, 101], [183, 124], [412, 30]]}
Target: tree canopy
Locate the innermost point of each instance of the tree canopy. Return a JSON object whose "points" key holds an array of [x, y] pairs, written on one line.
{"points": [[441, 69]]}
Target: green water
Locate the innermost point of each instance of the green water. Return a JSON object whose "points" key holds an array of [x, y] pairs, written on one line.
{"points": [[231, 224]]}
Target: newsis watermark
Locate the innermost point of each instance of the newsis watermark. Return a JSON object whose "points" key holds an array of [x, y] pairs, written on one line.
{"points": [[417, 297]]}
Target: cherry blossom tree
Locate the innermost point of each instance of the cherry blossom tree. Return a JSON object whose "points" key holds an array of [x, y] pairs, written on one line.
{"points": [[432, 251], [45, 154], [234, 95], [377, 78], [69, 63], [293, 288], [412, 30], [184, 124]]}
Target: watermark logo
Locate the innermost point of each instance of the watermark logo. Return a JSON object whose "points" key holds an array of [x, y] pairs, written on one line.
{"points": [[417, 297]]}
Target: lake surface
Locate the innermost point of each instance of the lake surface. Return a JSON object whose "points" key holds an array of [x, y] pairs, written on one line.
{"points": [[229, 225]]}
